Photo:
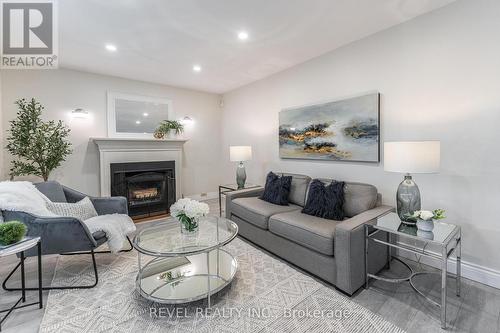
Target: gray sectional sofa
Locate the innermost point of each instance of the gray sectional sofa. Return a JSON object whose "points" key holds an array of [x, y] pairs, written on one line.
{"points": [[331, 250]]}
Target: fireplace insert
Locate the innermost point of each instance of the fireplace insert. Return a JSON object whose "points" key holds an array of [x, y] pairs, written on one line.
{"points": [[148, 186]]}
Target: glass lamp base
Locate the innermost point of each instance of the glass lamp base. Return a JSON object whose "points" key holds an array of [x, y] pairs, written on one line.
{"points": [[241, 176], [407, 198]]}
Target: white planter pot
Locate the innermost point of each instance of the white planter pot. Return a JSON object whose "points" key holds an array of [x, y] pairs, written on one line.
{"points": [[425, 234], [172, 135], [425, 225]]}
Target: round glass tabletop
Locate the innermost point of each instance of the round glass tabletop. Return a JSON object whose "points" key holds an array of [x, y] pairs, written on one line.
{"points": [[167, 240]]}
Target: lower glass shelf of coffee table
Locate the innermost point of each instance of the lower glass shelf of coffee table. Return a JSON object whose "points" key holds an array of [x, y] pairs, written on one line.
{"points": [[176, 280]]}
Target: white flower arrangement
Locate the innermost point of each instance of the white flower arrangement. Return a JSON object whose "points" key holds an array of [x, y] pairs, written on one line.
{"points": [[188, 212], [428, 215]]}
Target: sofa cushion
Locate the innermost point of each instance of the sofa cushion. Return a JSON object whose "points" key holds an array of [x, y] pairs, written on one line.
{"points": [[257, 211], [358, 197], [312, 232], [300, 183], [52, 190]]}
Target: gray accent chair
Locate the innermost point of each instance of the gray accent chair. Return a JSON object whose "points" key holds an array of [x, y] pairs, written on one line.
{"points": [[331, 250], [66, 235]]}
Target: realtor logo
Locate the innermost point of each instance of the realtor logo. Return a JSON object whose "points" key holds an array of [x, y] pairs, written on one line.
{"points": [[29, 38]]}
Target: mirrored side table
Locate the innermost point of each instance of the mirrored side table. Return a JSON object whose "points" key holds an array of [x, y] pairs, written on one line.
{"points": [[19, 248], [445, 236]]}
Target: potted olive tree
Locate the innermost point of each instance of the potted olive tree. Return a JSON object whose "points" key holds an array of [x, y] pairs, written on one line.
{"points": [[38, 146]]}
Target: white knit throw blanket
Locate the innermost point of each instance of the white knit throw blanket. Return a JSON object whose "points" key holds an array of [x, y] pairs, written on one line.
{"points": [[116, 227], [24, 197]]}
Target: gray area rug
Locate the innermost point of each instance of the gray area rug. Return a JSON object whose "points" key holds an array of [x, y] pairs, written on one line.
{"points": [[266, 295]]}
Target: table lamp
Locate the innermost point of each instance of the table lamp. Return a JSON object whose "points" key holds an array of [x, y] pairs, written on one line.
{"points": [[240, 154], [411, 157]]}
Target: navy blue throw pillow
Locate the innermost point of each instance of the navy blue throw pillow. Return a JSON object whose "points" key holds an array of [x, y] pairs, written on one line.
{"points": [[325, 201], [277, 189]]}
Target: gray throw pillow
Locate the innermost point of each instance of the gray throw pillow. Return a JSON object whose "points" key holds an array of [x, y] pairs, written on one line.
{"points": [[82, 210]]}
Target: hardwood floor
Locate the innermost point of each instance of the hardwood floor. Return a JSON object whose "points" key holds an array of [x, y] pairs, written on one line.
{"points": [[478, 310]]}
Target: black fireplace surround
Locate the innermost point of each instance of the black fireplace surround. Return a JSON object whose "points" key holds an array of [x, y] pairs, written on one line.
{"points": [[148, 186]]}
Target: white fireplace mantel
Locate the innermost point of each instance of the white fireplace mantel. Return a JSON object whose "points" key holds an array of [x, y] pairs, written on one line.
{"points": [[122, 150]]}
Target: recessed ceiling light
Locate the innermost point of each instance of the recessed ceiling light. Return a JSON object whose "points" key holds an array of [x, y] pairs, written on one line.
{"points": [[197, 68], [242, 35], [145, 114], [138, 122], [111, 47]]}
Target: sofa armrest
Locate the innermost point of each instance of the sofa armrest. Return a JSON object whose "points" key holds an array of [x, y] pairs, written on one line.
{"points": [[58, 234], [244, 193], [349, 249], [110, 205]]}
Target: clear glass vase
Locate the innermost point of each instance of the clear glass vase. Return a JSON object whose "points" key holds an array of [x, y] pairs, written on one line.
{"points": [[190, 227]]}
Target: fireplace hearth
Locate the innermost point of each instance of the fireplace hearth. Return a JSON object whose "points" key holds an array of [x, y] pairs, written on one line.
{"points": [[148, 186]]}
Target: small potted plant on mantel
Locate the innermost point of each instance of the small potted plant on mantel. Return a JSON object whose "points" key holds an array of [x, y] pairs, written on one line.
{"points": [[170, 128]]}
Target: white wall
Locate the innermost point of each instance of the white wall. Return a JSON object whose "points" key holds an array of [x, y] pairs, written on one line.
{"points": [[439, 76], [61, 91]]}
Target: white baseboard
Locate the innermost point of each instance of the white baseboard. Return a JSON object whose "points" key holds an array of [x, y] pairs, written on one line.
{"points": [[203, 196], [470, 270]]}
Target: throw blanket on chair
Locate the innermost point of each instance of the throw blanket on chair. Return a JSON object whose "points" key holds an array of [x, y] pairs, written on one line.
{"points": [[23, 196], [116, 227]]}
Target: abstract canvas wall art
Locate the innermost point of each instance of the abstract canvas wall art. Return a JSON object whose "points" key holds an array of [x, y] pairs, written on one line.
{"points": [[344, 130]]}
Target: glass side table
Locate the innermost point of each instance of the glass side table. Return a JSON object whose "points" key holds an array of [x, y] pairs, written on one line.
{"points": [[445, 236], [24, 245], [230, 188]]}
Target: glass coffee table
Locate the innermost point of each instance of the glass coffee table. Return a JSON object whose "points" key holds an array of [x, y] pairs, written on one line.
{"points": [[176, 268]]}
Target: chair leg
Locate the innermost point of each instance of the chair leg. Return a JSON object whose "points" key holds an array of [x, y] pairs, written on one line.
{"points": [[4, 284]]}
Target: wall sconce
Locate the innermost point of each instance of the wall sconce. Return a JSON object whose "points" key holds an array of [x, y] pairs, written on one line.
{"points": [[186, 120], [79, 113]]}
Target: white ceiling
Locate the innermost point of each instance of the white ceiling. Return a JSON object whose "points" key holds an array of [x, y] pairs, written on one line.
{"points": [[160, 40]]}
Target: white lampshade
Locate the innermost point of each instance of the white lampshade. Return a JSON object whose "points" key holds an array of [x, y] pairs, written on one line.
{"points": [[240, 153], [412, 157]]}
